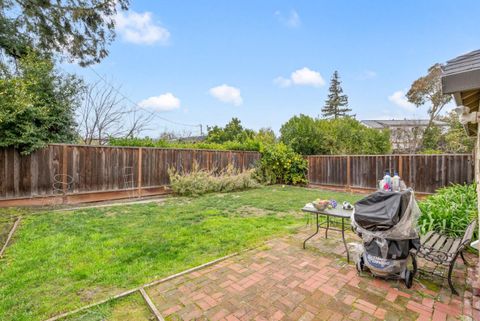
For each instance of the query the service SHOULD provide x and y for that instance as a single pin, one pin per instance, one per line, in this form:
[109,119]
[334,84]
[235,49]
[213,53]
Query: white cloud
[301,77]
[164,102]
[139,28]
[307,77]
[291,21]
[399,99]
[282,82]
[227,94]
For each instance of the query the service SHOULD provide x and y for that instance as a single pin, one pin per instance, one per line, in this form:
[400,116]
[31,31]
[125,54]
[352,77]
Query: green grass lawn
[6,224]
[129,308]
[7,219]
[59,261]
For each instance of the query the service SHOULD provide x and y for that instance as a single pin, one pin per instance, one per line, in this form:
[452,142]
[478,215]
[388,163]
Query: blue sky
[204,62]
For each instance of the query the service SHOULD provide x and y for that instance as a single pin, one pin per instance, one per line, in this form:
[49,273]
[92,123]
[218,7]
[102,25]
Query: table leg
[343,239]
[316,232]
[328,226]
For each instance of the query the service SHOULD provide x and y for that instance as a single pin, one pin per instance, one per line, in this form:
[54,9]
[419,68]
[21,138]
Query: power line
[140,107]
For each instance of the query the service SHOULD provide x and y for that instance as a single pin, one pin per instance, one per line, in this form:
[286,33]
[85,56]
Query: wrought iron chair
[443,250]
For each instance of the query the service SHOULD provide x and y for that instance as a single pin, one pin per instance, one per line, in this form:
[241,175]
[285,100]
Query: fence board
[328,170]
[424,173]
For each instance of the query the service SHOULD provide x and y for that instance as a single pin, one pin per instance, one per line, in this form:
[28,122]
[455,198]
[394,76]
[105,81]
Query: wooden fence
[424,173]
[78,173]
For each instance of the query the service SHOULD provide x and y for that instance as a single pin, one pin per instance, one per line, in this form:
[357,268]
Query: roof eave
[452,83]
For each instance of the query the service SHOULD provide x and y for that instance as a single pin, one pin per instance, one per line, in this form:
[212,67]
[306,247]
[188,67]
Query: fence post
[139,179]
[400,166]
[64,173]
[309,165]
[349,182]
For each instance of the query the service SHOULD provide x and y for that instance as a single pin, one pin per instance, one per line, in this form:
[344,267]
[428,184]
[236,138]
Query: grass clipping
[199,181]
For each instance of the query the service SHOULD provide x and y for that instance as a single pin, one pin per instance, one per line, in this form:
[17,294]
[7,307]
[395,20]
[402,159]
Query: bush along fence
[424,173]
[78,173]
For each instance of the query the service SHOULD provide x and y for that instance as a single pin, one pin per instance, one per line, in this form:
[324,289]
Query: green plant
[137,142]
[344,135]
[247,145]
[199,181]
[456,138]
[431,151]
[280,164]
[77,30]
[232,137]
[232,132]
[449,210]
[37,105]
[303,135]
[336,105]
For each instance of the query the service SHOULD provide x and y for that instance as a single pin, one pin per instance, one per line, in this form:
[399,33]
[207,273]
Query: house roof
[462,73]
[461,77]
[467,62]
[381,123]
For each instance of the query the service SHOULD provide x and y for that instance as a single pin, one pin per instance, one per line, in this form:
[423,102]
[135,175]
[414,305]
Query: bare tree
[407,139]
[105,113]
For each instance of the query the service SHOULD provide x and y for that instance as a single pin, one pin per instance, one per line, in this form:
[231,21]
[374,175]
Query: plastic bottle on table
[381,184]
[387,181]
[396,182]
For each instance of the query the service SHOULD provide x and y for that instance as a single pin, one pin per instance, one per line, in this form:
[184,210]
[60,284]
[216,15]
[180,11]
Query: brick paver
[285,282]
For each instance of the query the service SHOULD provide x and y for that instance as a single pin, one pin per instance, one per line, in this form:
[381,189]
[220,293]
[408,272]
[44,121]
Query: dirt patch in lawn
[250,211]
[88,295]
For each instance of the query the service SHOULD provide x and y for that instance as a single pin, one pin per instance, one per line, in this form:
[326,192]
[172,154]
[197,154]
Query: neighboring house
[461,78]
[405,134]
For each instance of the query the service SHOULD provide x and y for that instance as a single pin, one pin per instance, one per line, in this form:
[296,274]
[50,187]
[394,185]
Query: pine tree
[337,103]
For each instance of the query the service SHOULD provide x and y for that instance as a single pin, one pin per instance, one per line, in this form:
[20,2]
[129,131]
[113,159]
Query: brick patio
[281,281]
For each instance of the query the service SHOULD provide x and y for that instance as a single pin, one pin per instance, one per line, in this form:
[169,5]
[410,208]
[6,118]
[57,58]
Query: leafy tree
[303,135]
[37,105]
[333,136]
[456,138]
[349,136]
[428,90]
[265,136]
[232,132]
[337,103]
[432,138]
[80,28]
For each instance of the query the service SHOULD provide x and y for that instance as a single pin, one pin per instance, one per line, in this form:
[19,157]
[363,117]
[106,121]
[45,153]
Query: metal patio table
[337,212]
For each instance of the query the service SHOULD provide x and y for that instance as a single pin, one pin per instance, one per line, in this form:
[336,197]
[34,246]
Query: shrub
[280,164]
[199,181]
[37,104]
[136,142]
[303,135]
[449,210]
[247,145]
[344,135]
[431,151]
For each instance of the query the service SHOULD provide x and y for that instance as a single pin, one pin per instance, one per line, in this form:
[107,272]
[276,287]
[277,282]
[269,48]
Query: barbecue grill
[387,224]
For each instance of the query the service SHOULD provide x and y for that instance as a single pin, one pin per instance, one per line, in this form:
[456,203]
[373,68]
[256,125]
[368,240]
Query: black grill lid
[381,210]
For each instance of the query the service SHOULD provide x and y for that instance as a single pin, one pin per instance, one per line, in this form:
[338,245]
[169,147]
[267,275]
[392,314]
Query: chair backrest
[467,237]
